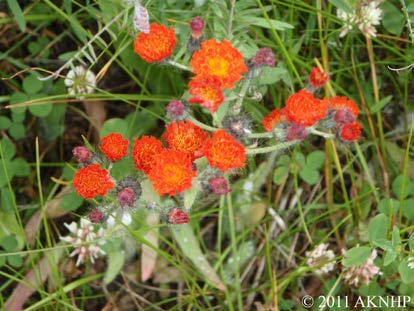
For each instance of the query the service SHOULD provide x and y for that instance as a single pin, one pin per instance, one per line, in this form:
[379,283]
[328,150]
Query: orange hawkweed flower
[350,131]
[172,172]
[224,152]
[341,102]
[157,45]
[91,181]
[114,146]
[207,92]
[220,60]
[185,136]
[144,152]
[273,118]
[317,77]
[304,109]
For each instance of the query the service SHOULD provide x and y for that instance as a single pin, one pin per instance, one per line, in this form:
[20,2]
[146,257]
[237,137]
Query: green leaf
[389,257]
[393,19]
[18,98]
[15,260]
[356,256]
[7,200]
[408,208]
[396,239]
[9,243]
[189,244]
[377,228]
[32,85]
[378,106]
[116,125]
[7,148]
[387,204]
[116,259]
[5,122]
[411,242]
[18,14]
[264,23]
[300,159]
[17,131]
[71,201]
[341,4]
[20,167]
[39,110]
[399,184]
[315,159]
[280,174]
[309,175]
[271,75]
[190,196]
[406,273]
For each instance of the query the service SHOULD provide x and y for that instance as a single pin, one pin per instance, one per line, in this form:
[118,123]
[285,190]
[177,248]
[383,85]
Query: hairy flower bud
[197,26]
[129,190]
[219,186]
[95,216]
[238,126]
[82,154]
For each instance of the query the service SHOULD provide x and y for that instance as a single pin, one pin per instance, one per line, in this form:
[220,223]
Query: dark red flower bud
[95,216]
[264,56]
[344,116]
[126,196]
[296,132]
[82,154]
[219,186]
[197,26]
[177,216]
[175,109]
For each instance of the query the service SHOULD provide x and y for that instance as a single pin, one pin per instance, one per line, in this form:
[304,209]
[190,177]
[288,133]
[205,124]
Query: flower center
[218,66]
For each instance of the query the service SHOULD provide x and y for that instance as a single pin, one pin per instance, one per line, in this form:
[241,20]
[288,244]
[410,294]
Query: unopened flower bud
[264,56]
[219,186]
[95,216]
[82,154]
[177,216]
[176,110]
[129,190]
[343,116]
[238,126]
[296,132]
[197,26]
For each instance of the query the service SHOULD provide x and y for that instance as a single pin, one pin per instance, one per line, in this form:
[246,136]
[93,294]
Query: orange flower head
[341,102]
[144,152]
[114,146]
[91,181]
[274,117]
[156,45]
[207,92]
[172,172]
[317,77]
[350,132]
[220,60]
[185,136]
[304,109]
[224,152]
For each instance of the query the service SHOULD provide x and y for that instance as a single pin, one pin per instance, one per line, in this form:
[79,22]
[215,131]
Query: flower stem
[277,147]
[319,133]
[261,135]
[237,106]
[202,125]
[178,65]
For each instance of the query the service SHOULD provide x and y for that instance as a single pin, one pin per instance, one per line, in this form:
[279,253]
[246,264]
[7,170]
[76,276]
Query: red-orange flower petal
[317,77]
[220,60]
[91,181]
[185,136]
[273,118]
[224,152]
[207,92]
[144,152]
[114,146]
[350,131]
[157,45]
[341,102]
[304,109]
[172,172]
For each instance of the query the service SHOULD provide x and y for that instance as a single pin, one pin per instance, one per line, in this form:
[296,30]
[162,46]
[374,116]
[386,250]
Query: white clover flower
[83,234]
[321,255]
[411,262]
[80,81]
[356,275]
[141,18]
[364,16]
